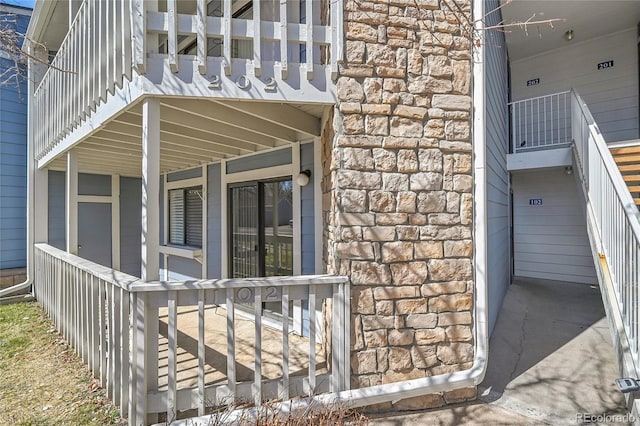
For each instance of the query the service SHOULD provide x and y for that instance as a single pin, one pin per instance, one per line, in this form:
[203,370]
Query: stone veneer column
[397,191]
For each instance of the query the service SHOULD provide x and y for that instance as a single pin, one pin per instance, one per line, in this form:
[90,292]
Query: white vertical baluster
[126,39]
[134,356]
[201,354]
[312,339]
[172,348]
[336,348]
[140,36]
[231,343]
[95,327]
[202,36]
[284,40]
[256,387]
[257,39]
[346,339]
[284,392]
[226,43]
[172,36]
[103,335]
[309,44]
[116,325]
[125,327]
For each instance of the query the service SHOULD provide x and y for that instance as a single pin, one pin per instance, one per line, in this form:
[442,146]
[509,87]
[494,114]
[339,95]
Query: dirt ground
[42,381]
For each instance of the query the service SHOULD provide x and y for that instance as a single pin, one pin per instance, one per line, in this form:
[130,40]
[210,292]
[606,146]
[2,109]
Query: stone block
[409,273]
[421,320]
[425,181]
[463,248]
[370,273]
[455,353]
[399,359]
[451,303]
[392,293]
[411,306]
[397,251]
[428,250]
[402,337]
[438,289]
[430,336]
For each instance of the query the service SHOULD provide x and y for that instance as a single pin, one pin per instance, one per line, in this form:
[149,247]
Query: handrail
[633,215]
[133,284]
[614,229]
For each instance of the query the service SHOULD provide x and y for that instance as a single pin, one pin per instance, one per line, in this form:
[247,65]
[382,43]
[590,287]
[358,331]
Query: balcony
[117,52]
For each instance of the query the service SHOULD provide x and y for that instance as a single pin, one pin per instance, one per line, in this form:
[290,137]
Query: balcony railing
[155,347]
[93,59]
[541,123]
[223,48]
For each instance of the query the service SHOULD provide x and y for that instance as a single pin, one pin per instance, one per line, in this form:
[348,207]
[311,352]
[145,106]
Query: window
[185,216]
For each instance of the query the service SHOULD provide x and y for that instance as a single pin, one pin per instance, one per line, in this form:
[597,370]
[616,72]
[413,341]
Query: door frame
[291,169]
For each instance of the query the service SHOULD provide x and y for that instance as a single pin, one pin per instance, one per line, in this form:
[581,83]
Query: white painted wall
[611,94]
[550,240]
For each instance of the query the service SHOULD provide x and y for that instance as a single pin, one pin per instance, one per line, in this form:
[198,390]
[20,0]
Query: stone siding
[398,184]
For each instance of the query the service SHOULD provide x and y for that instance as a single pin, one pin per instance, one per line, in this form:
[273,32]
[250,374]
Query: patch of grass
[42,381]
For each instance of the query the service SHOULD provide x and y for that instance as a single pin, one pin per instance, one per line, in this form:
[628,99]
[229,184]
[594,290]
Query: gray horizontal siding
[184,174]
[130,225]
[56,198]
[259,161]
[550,240]
[497,141]
[13,164]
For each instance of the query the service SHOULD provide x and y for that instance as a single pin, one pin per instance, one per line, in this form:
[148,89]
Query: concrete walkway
[550,360]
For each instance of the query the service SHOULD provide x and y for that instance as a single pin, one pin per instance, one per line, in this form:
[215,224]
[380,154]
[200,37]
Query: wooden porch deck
[216,349]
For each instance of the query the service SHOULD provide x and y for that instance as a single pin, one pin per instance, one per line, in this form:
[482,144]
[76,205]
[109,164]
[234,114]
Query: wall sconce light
[568,170]
[568,35]
[303,177]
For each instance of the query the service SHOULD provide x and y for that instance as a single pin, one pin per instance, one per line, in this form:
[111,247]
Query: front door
[262,231]
[94,232]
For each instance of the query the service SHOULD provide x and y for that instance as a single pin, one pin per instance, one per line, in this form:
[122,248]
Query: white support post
[115,222]
[71,204]
[297,240]
[150,189]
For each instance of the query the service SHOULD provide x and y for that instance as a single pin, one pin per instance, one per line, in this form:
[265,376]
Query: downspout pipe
[443,382]
[30,196]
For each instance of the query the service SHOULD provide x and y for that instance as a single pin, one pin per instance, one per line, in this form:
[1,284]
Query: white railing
[613,219]
[93,59]
[128,333]
[541,123]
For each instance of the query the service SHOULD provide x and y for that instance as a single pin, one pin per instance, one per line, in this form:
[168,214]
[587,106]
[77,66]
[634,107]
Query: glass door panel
[244,232]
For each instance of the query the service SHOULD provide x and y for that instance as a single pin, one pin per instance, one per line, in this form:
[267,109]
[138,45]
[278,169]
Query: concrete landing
[550,362]
[550,355]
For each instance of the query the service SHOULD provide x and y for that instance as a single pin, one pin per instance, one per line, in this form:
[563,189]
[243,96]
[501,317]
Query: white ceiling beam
[281,114]
[236,118]
[222,135]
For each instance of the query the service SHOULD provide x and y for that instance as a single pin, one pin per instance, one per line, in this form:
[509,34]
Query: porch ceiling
[195,132]
[587,19]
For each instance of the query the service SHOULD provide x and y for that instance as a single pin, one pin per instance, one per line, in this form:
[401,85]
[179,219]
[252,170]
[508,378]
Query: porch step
[628,160]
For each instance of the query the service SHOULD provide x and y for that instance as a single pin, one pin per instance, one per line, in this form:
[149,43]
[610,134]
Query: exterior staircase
[628,161]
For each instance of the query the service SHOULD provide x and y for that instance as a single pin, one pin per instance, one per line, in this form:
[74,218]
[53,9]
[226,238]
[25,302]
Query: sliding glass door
[261,233]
